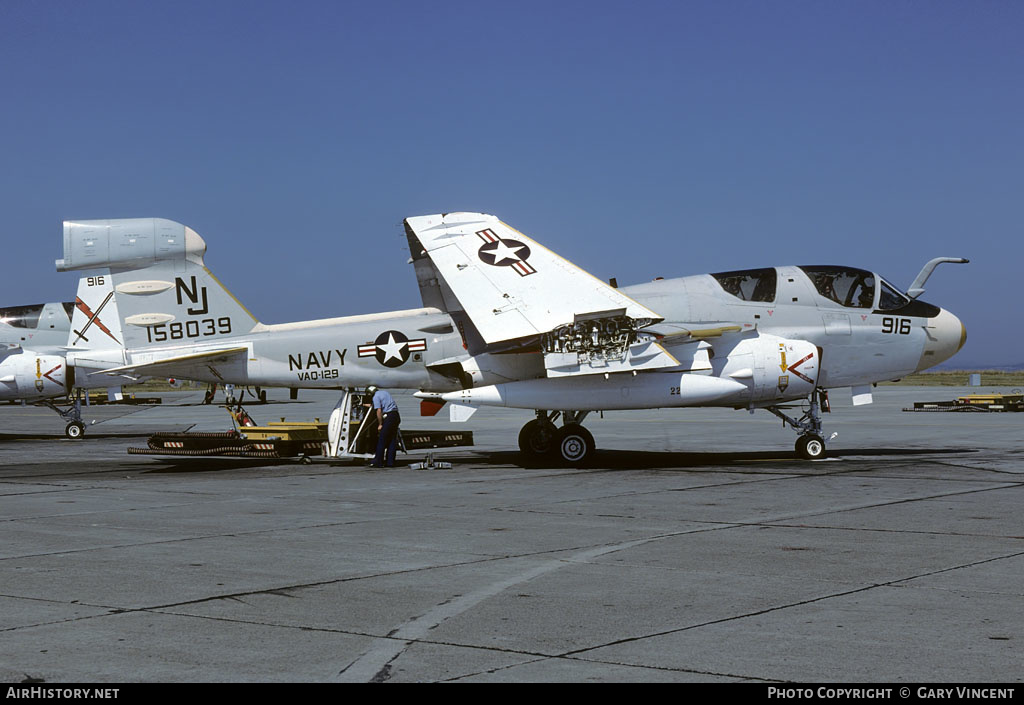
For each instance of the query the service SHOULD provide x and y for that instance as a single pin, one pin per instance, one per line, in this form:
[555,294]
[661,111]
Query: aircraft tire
[536,438]
[573,445]
[74,430]
[810,447]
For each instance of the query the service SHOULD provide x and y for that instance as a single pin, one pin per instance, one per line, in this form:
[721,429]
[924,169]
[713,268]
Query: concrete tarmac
[695,548]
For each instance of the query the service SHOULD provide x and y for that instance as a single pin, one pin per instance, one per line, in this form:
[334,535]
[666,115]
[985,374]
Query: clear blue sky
[638,139]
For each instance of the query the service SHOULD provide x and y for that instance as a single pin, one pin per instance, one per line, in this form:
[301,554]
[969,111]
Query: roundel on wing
[504,252]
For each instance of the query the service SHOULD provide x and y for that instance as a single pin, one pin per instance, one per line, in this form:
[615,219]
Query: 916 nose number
[900,326]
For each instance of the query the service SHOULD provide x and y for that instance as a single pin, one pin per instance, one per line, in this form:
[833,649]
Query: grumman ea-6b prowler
[507,322]
[568,344]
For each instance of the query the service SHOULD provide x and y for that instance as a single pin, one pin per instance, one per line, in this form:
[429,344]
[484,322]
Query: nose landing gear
[811,443]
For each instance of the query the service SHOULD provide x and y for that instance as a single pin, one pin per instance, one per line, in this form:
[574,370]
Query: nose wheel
[810,447]
[811,443]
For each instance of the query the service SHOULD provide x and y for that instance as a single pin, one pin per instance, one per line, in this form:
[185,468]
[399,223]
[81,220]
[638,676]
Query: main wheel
[810,447]
[74,430]
[536,437]
[573,444]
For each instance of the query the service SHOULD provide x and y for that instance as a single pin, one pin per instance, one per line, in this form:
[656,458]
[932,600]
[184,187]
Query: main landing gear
[570,444]
[811,443]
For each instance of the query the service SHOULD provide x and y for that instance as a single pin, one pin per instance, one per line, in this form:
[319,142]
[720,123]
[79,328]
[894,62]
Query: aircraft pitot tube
[26,375]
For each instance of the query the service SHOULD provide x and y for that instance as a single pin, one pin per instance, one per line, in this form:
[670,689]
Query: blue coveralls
[388,436]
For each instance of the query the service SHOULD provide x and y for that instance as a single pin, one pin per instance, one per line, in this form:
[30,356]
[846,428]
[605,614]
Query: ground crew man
[387,426]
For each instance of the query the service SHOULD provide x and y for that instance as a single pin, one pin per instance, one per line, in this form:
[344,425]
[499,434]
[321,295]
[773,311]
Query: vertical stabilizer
[160,291]
[95,323]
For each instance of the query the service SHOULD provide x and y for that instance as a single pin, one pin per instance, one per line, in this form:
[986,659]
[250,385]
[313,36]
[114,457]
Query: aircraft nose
[946,334]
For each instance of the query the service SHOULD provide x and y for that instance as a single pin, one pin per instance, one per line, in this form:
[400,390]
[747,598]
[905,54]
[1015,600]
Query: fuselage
[867,332]
[856,328]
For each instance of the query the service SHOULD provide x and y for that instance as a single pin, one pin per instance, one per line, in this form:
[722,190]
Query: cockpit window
[891,298]
[21,316]
[854,288]
[749,284]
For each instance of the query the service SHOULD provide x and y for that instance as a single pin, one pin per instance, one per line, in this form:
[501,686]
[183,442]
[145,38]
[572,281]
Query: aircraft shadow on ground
[651,460]
[214,464]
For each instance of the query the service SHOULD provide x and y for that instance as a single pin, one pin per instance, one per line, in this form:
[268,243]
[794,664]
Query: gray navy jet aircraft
[38,326]
[507,322]
[751,339]
[33,366]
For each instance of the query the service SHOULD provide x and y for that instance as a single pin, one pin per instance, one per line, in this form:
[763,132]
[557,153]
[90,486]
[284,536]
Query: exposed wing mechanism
[514,289]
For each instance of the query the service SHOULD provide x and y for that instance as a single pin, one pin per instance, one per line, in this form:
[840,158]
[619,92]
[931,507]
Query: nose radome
[945,336]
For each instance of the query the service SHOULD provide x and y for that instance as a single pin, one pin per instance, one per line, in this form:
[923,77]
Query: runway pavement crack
[898,582]
[638,667]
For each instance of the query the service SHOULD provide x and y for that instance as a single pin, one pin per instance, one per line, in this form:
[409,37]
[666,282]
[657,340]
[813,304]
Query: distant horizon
[963,367]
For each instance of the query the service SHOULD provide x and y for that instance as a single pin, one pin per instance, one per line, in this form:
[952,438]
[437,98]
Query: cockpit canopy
[846,286]
[855,288]
[750,284]
[28,316]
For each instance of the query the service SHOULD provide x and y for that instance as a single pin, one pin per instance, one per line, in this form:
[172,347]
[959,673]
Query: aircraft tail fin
[95,324]
[155,284]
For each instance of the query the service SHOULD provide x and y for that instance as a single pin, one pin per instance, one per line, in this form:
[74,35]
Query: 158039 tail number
[188,329]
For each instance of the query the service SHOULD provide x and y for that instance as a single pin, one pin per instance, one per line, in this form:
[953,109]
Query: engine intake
[25,375]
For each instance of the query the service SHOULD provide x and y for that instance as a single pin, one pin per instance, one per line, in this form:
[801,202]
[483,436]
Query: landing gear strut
[76,427]
[811,443]
[571,444]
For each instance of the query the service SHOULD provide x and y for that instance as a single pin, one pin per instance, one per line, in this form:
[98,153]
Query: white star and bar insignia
[392,348]
[504,252]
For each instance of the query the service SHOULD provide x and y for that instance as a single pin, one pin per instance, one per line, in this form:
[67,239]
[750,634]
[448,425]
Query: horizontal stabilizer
[181,365]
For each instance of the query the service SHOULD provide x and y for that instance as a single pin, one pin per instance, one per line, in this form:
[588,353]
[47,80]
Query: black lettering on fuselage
[193,295]
[318,359]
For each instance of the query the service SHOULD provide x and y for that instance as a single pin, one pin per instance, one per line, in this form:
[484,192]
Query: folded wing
[515,290]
